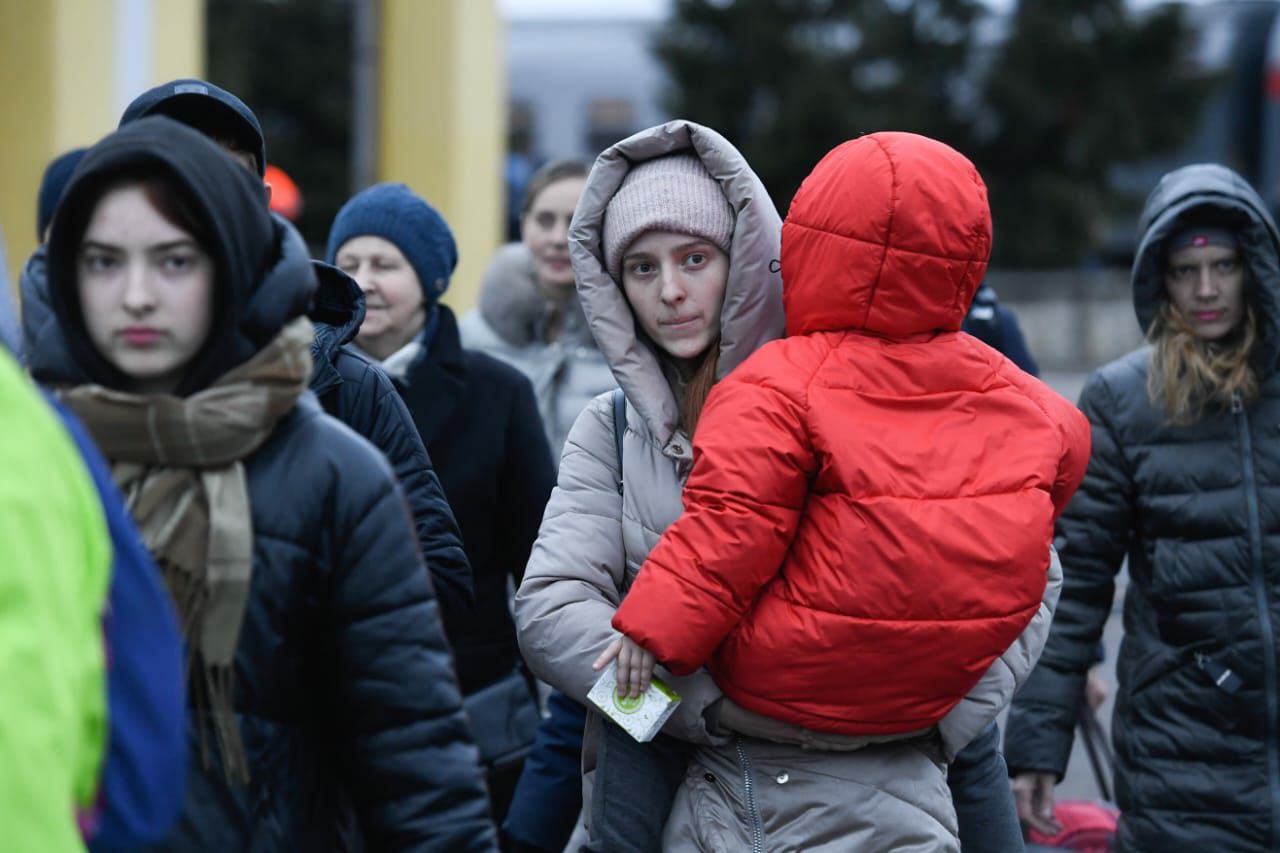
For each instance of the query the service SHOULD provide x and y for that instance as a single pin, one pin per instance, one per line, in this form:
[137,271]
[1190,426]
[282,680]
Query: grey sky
[525,9]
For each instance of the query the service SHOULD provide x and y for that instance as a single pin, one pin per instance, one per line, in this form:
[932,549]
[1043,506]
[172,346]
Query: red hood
[889,234]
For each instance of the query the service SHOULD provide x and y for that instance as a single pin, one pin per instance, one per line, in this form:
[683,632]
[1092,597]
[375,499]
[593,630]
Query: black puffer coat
[359,393]
[346,700]
[1197,511]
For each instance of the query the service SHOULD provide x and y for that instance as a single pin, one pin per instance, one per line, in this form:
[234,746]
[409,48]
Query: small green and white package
[643,716]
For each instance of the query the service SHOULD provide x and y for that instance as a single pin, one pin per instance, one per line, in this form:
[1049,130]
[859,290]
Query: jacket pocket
[1168,659]
[705,816]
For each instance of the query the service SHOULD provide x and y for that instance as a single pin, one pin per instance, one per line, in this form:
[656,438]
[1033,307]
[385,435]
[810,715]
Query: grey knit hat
[671,193]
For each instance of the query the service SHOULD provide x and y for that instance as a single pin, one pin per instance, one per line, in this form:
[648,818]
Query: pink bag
[1086,827]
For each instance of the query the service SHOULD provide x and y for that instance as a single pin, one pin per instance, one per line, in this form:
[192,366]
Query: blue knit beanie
[56,177]
[400,216]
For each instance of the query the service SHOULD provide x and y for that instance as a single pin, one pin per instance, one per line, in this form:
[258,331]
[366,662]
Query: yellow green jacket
[55,558]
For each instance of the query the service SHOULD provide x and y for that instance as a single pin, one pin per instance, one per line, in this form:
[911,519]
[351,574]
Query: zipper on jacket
[1264,612]
[748,785]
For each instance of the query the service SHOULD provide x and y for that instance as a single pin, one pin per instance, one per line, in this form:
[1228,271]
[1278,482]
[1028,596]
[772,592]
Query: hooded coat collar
[752,312]
[263,280]
[1201,194]
[336,314]
[889,235]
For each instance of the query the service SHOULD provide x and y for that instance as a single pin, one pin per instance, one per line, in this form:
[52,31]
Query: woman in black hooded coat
[325,714]
[1184,480]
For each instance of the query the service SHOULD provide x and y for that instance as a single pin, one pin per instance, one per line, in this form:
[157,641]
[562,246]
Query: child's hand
[635,665]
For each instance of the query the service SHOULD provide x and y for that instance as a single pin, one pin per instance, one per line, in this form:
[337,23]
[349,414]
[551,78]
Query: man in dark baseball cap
[210,109]
[350,387]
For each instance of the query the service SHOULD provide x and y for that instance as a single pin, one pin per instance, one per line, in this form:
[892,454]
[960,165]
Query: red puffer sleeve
[1077,445]
[753,462]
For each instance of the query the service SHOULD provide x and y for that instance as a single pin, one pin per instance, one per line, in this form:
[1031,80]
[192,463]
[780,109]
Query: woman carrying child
[867,526]
[670,333]
[1182,483]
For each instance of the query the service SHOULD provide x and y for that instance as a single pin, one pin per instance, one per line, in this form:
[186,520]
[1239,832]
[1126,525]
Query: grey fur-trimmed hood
[752,314]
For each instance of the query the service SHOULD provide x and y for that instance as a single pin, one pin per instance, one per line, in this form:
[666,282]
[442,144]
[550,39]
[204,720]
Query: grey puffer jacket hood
[752,312]
[594,536]
[1209,194]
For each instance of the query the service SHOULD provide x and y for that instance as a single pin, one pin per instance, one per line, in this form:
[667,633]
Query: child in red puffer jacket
[868,522]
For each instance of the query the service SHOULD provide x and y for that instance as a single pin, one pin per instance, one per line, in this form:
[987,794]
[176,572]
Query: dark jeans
[635,785]
[501,782]
[979,782]
[548,796]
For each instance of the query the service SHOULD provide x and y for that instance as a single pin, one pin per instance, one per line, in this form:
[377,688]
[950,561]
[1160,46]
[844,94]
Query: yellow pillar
[442,120]
[67,68]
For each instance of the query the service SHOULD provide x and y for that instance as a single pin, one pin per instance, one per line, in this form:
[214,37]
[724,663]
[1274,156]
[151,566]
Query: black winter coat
[344,691]
[1197,511]
[480,422]
[359,393]
[348,706]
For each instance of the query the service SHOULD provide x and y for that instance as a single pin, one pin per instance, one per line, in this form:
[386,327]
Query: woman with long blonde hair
[1182,481]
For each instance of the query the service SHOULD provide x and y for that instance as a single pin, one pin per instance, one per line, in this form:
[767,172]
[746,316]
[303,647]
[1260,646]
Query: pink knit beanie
[672,193]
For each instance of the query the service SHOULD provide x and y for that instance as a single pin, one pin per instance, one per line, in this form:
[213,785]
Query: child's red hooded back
[868,520]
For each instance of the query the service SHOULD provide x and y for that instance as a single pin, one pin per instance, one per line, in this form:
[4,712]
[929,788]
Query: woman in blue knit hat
[480,423]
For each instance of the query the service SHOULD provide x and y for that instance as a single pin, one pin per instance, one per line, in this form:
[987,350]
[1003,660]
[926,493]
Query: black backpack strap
[619,427]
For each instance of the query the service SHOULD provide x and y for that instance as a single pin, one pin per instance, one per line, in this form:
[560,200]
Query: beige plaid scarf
[179,462]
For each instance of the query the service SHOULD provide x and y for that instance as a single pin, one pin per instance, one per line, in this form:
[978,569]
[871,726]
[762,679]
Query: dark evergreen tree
[1077,87]
[1046,109]
[786,80]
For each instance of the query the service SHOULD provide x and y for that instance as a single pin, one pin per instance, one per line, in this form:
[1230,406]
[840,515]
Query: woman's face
[1206,285]
[675,284]
[146,290]
[395,308]
[545,231]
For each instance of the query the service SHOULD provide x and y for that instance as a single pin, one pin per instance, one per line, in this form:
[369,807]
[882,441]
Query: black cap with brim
[210,109]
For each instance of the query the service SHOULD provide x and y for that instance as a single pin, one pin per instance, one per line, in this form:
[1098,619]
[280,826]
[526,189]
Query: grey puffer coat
[511,324]
[593,541]
[1197,511]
